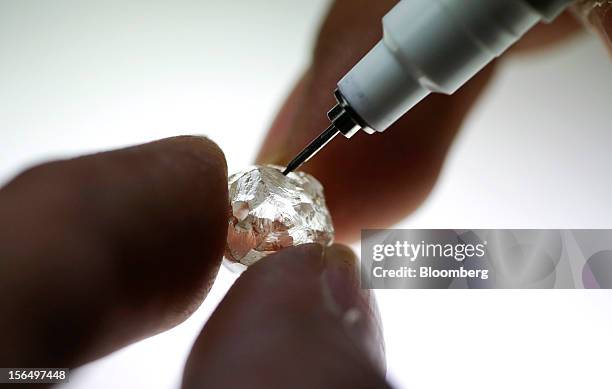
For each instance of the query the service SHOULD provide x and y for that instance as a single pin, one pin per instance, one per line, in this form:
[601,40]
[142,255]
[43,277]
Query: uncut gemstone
[270,211]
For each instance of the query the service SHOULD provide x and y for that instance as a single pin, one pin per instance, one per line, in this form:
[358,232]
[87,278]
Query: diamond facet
[270,211]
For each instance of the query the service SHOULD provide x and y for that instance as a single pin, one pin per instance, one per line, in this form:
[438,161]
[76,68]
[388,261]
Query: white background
[83,76]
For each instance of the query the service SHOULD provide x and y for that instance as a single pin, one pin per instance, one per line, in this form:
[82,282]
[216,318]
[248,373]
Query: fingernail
[340,275]
[312,254]
[357,307]
[302,259]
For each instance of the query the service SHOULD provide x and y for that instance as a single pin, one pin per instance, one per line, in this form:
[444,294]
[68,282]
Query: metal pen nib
[314,147]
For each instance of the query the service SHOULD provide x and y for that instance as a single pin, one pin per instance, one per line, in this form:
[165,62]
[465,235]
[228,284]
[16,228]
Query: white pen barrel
[435,46]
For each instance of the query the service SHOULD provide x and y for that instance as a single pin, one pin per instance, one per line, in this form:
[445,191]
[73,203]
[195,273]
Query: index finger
[99,251]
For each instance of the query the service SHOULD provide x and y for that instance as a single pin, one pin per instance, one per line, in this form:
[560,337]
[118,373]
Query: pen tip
[313,147]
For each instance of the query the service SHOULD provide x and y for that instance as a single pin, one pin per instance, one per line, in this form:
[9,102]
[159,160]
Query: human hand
[100,251]
[383,176]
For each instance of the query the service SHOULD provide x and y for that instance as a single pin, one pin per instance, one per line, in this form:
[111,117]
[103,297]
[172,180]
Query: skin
[409,154]
[100,251]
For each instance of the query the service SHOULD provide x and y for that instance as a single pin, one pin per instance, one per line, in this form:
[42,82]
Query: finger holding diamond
[103,250]
[296,319]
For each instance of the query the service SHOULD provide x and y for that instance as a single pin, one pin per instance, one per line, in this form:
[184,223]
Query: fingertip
[141,229]
[357,307]
[302,261]
[341,277]
[340,253]
[279,305]
[203,148]
[191,153]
